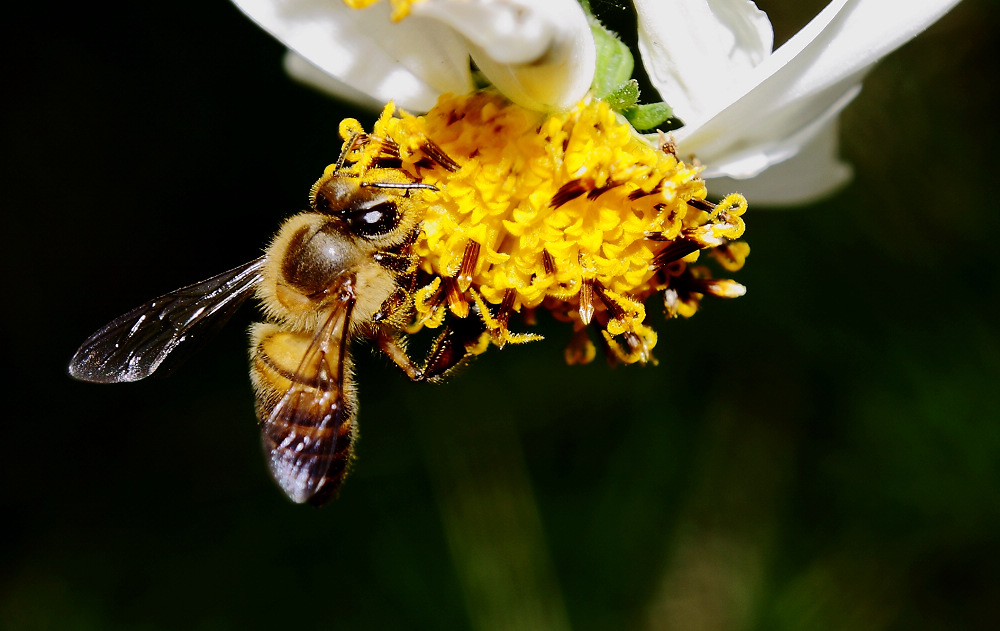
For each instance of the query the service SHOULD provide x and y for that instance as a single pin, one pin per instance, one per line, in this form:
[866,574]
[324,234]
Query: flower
[767,120]
[570,212]
[541,195]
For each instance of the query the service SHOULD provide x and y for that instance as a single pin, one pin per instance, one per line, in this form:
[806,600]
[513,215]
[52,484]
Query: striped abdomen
[306,408]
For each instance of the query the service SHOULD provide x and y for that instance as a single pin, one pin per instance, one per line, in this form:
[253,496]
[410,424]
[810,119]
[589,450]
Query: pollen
[570,213]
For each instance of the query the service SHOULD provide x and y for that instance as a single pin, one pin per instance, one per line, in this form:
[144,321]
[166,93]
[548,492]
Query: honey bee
[342,269]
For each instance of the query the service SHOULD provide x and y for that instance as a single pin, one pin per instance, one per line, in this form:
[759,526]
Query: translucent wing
[307,436]
[136,344]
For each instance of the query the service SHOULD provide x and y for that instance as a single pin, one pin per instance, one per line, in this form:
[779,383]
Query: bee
[341,270]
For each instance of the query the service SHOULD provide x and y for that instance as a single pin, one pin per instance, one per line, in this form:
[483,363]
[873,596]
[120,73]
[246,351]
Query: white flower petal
[693,49]
[540,55]
[772,115]
[777,143]
[507,31]
[815,173]
[301,69]
[411,62]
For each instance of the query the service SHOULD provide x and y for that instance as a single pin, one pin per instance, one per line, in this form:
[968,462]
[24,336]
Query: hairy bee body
[321,279]
[329,274]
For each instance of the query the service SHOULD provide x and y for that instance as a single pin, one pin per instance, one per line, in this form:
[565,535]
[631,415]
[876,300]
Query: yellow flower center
[570,212]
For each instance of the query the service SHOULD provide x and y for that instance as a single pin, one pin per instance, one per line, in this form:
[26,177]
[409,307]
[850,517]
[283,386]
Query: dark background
[823,453]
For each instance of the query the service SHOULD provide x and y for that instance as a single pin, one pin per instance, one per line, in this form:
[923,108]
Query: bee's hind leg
[460,341]
[394,348]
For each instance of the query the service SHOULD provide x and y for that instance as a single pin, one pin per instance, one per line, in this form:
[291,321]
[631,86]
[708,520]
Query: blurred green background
[823,453]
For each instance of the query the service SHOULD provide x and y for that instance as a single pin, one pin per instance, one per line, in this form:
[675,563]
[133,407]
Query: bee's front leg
[394,310]
[394,348]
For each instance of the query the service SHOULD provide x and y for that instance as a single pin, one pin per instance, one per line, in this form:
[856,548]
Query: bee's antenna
[349,146]
[401,185]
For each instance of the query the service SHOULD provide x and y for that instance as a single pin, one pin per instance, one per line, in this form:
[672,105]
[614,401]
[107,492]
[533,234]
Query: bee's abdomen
[307,420]
[308,457]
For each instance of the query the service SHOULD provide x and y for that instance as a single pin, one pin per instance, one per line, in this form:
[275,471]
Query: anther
[701,204]
[587,300]
[675,251]
[438,155]
[548,264]
[456,298]
[468,267]
[567,193]
[503,318]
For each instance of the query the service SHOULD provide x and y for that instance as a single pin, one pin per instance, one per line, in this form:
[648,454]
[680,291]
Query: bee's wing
[136,344]
[307,435]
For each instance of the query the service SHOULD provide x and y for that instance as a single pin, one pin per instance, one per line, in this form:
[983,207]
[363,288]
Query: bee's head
[380,207]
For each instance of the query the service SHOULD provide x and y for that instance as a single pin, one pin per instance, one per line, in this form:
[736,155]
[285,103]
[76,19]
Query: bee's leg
[395,304]
[461,340]
[399,262]
[395,349]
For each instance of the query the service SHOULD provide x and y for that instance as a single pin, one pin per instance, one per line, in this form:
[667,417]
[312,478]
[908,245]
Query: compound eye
[373,221]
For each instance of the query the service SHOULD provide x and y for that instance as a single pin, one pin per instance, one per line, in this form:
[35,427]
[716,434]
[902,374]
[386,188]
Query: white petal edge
[804,79]
[506,30]
[540,55]
[411,62]
[693,49]
[815,173]
[301,69]
[751,162]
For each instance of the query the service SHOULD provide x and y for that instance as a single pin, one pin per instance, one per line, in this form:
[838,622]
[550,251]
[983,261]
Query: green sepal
[614,61]
[613,82]
[624,96]
[649,116]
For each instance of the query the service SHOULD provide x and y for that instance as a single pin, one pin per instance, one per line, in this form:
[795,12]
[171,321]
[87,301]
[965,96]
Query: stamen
[587,300]
[671,299]
[456,298]
[640,193]
[438,155]
[701,204]
[720,288]
[567,193]
[614,309]
[389,147]
[667,143]
[468,267]
[501,334]
[675,251]
[731,256]
[597,192]
[548,265]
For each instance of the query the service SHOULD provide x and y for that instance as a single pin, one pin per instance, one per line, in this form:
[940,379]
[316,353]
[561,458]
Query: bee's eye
[373,221]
